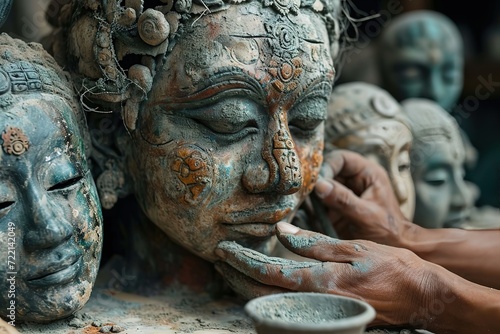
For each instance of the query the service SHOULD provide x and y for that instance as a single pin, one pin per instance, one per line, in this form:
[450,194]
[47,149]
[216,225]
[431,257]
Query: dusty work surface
[174,311]
[169,313]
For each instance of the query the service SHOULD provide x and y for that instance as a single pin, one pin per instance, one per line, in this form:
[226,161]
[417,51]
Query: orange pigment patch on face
[194,169]
[280,214]
[310,168]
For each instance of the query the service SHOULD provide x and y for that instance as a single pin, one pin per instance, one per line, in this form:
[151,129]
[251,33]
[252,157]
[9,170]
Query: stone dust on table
[170,312]
[174,311]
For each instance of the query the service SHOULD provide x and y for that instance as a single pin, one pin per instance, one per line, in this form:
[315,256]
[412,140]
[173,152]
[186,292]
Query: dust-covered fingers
[244,285]
[318,246]
[264,269]
[278,273]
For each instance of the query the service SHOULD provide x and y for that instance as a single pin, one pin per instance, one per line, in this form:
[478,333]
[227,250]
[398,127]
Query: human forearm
[462,307]
[361,205]
[473,255]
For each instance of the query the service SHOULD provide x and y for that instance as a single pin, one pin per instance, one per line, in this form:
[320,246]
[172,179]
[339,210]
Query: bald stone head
[421,56]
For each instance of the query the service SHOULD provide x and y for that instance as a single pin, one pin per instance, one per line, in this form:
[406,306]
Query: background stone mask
[50,218]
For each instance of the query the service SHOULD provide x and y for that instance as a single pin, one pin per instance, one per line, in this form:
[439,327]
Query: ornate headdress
[28,68]
[356,105]
[114,45]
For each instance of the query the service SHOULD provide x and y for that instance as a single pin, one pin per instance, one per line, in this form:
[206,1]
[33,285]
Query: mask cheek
[192,172]
[171,175]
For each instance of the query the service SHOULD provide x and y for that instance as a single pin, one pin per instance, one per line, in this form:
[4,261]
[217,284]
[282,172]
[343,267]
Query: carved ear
[141,76]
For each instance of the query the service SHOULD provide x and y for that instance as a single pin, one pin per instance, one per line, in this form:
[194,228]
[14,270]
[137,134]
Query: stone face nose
[49,227]
[281,170]
[288,162]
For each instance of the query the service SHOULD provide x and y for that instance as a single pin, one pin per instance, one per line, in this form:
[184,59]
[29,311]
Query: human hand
[394,281]
[5,328]
[360,201]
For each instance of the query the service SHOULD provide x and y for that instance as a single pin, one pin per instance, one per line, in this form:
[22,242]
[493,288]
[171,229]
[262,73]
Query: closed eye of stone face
[228,116]
[307,116]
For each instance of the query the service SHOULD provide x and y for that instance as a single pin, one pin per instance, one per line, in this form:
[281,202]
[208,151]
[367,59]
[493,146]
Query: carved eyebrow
[227,82]
[310,40]
[249,36]
[447,164]
[320,87]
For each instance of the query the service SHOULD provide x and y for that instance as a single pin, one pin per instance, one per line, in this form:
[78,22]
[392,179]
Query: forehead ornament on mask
[285,41]
[285,75]
[15,141]
[24,77]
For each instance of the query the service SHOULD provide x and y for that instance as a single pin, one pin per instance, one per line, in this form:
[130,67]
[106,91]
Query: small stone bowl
[300,313]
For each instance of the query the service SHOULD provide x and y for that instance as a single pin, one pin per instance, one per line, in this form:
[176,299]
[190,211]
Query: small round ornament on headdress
[153,27]
[384,106]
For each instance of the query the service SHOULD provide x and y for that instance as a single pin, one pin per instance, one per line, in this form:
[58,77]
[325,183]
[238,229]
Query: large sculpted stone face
[230,140]
[421,56]
[50,219]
